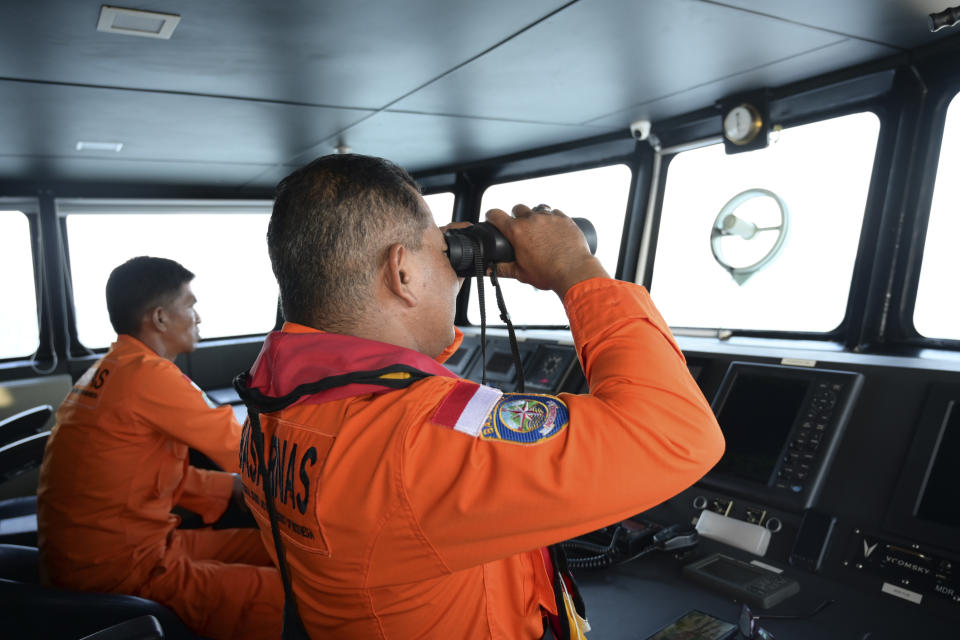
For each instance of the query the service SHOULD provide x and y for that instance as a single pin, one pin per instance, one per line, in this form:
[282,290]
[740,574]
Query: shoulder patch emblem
[526,418]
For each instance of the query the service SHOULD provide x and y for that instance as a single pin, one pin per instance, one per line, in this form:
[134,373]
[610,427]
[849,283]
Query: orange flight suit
[421,512]
[114,467]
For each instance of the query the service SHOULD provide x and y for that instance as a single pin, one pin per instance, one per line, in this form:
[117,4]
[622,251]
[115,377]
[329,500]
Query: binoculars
[484,241]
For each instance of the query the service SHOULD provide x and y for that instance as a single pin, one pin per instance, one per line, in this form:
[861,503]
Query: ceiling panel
[48,120]
[337,52]
[772,75]
[253,85]
[601,55]
[902,23]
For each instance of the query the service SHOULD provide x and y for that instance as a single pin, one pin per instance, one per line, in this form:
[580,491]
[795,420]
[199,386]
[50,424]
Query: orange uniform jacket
[419,513]
[116,463]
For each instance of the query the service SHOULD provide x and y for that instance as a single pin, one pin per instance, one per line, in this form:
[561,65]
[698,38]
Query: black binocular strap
[256,403]
[502,305]
[293,628]
[510,331]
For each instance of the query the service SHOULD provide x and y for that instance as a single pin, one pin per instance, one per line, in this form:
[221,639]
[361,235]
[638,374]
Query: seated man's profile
[116,464]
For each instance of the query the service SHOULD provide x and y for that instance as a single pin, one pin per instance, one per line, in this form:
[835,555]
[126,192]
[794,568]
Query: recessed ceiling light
[132,22]
[84,145]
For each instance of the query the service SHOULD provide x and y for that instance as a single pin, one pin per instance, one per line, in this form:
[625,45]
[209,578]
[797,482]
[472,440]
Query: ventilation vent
[132,22]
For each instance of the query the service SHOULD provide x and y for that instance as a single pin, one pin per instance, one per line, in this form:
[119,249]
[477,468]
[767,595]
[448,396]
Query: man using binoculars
[394,512]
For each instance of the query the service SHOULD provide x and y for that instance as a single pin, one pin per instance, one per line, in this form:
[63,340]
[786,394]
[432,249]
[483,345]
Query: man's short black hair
[333,223]
[139,284]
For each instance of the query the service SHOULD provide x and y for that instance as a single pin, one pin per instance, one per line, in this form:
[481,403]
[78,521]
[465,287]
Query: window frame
[853,313]
[30,208]
[456,197]
[594,153]
[620,251]
[930,141]
[134,206]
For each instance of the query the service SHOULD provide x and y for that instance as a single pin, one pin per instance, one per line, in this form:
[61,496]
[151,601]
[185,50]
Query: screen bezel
[853,381]
[902,516]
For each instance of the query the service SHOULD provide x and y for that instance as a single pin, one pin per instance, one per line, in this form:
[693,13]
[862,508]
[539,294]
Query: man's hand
[551,252]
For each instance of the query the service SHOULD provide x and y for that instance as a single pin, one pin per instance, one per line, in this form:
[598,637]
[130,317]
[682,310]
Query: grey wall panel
[419,142]
[772,75]
[43,119]
[17,172]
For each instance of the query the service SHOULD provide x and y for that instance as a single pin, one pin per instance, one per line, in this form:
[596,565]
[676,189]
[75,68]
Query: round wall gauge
[742,124]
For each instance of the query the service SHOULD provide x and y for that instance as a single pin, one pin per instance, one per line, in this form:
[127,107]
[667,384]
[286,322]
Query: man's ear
[398,274]
[156,318]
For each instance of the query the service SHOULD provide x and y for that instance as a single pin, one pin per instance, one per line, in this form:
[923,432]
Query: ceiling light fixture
[84,145]
[132,22]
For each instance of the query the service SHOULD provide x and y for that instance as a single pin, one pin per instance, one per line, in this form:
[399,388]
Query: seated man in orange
[409,503]
[116,464]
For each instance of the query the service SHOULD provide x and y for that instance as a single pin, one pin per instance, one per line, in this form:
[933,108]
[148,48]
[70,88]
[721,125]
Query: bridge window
[441,204]
[937,310]
[224,245]
[599,195]
[19,332]
[819,174]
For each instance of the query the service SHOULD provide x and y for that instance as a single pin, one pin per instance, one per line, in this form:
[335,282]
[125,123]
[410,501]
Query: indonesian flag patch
[466,407]
[526,418]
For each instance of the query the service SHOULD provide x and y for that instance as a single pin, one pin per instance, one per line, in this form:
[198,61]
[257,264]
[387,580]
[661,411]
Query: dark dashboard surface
[888,568]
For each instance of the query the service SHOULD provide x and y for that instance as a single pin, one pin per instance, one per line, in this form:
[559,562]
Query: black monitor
[939,500]
[926,503]
[781,425]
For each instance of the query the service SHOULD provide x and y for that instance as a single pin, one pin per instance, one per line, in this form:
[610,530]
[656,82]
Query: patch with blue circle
[525,418]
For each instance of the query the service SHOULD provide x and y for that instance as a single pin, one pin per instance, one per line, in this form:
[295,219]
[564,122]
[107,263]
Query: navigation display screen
[941,495]
[756,418]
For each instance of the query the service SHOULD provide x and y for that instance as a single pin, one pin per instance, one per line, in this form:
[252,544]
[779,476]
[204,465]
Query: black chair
[18,516]
[31,610]
[18,521]
[22,456]
[26,423]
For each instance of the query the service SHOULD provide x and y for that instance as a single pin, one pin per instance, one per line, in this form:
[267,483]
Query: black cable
[602,558]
